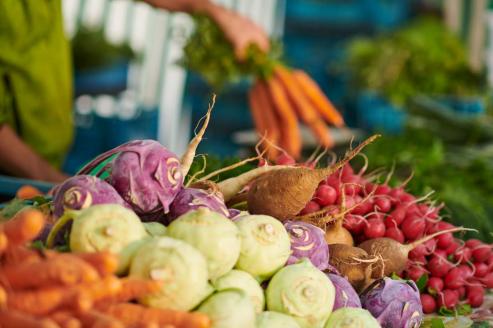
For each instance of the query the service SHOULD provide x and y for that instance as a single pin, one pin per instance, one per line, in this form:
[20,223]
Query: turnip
[336,233]
[429,304]
[393,255]
[353,263]
[285,192]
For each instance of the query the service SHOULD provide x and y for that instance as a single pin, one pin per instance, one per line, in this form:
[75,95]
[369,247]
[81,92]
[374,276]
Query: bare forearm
[18,159]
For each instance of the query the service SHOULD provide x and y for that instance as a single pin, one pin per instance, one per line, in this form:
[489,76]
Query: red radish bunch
[457,271]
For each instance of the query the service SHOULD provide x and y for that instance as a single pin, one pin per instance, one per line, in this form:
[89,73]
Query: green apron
[35,76]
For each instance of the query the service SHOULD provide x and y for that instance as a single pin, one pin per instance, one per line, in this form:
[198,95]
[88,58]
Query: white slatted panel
[158,37]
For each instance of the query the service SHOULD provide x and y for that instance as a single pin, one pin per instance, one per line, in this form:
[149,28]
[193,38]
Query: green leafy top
[210,54]
[423,57]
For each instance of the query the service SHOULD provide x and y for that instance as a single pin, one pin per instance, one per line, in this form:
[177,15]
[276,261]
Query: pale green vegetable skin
[181,268]
[270,319]
[351,318]
[155,229]
[303,292]
[214,235]
[245,282]
[265,245]
[108,227]
[229,309]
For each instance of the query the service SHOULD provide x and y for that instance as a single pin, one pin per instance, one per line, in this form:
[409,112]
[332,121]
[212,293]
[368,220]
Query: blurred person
[36,127]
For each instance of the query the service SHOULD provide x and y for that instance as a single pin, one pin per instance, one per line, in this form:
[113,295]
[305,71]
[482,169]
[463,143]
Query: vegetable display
[275,264]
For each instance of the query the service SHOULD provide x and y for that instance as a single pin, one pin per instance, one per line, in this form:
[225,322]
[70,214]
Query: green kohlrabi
[181,268]
[351,318]
[215,236]
[271,319]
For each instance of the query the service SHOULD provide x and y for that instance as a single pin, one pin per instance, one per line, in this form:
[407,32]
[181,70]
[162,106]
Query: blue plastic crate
[375,113]
[111,79]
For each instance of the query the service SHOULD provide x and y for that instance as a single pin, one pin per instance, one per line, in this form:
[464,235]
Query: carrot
[65,319]
[3,298]
[20,254]
[132,289]
[301,103]
[63,269]
[290,134]
[264,117]
[16,319]
[131,314]
[47,300]
[23,227]
[107,287]
[96,319]
[322,133]
[104,262]
[318,98]
[4,242]
[28,192]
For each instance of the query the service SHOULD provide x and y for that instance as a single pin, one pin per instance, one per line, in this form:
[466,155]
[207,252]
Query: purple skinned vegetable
[82,191]
[394,303]
[189,199]
[146,174]
[346,296]
[307,241]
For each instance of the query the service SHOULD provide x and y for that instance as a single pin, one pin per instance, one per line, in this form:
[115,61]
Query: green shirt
[35,76]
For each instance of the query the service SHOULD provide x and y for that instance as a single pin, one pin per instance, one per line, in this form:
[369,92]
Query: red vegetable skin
[396,234]
[463,255]
[448,298]
[435,285]
[475,296]
[428,302]
[439,266]
[454,279]
[310,207]
[481,252]
[488,280]
[374,229]
[415,272]
[383,204]
[354,224]
[325,195]
[462,292]
[471,243]
[413,227]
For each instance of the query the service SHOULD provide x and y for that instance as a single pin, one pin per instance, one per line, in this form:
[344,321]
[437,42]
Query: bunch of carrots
[280,100]
[48,289]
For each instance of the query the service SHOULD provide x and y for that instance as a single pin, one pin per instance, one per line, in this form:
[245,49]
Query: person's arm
[18,159]
[239,30]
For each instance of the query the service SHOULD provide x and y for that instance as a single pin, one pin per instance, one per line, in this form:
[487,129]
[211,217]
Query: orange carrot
[15,319]
[28,192]
[4,242]
[132,289]
[318,98]
[264,117]
[105,288]
[96,319]
[322,133]
[46,300]
[3,298]
[290,134]
[302,104]
[20,254]
[63,269]
[104,262]
[23,227]
[65,319]
[131,314]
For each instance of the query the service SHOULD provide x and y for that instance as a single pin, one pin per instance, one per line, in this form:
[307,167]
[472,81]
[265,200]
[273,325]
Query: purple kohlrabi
[394,303]
[82,191]
[346,296]
[146,174]
[307,241]
[189,199]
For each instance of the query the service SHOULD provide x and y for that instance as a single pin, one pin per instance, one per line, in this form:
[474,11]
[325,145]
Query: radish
[489,262]
[480,269]
[488,280]
[481,252]
[444,241]
[471,243]
[354,223]
[375,228]
[435,285]
[383,204]
[393,255]
[325,195]
[398,215]
[363,207]
[475,296]
[285,159]
[440,253]
[439,266]
[352,185]
[466,270]
[463,255]
[462,292]
[406,197]
[311,207]
[413,228]
[454,279]
[396,234]
[415,272]
[452,248]
[428,302]
[448,299]
[420,259]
